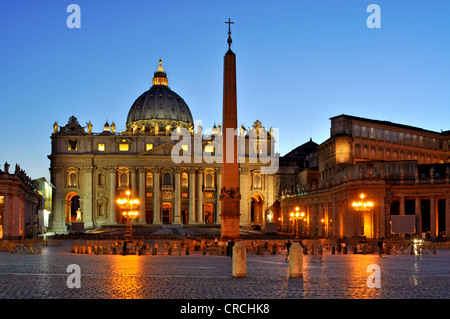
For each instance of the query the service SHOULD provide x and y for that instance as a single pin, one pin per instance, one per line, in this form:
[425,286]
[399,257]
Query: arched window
[184,180]
[149,180]
[123,180]
[167,179]
[357,150]
[209,180]
[257,181]
[72,178]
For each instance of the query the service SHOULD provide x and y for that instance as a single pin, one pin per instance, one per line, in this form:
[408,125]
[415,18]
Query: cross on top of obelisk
[229,32]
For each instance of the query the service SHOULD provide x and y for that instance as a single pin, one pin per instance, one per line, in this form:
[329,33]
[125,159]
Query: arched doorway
[256,210]
[72,204]
[167,213]
[209,213]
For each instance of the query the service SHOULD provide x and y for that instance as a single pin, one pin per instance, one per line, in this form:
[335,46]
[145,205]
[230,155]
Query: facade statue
[156,128]
[143,128]
[199,129]
[168,127]
[55,127]
[79,218]
[113,127]
[6,167]
[89,125]
[134,127]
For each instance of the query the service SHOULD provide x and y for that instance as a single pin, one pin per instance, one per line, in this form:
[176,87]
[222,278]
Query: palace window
[101,147]
[149,146]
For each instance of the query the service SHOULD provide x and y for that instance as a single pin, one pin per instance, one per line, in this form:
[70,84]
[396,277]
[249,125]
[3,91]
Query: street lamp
[129,207]
[362,206]
[296,217]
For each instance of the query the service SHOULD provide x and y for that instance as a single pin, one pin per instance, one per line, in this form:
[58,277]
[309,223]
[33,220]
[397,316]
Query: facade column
[134,185]
[177,204]
[218,201]
[433,211]
[142,176]
[86,196]
[112,217]
[402,205]
[381,223]
[417,212]
[191,196]
[58,216]
[199,200]
[156,203]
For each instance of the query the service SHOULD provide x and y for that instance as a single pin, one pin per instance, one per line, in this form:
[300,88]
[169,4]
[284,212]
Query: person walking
[288,246]
[380,246]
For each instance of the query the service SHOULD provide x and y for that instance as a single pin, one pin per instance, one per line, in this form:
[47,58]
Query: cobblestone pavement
[27,276]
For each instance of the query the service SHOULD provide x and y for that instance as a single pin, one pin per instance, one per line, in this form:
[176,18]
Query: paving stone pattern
[27,276]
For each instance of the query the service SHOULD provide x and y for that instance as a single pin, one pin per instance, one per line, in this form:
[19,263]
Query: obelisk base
[230,217]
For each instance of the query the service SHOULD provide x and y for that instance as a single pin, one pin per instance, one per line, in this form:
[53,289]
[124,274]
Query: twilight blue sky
[298,64]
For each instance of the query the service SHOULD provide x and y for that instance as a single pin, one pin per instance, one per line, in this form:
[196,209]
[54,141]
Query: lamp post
[362,206]
[296,217]
[129,207]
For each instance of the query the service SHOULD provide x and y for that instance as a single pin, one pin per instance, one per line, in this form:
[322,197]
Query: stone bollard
[75,249]
[333,250]
[239,260]
[187,250]
[344,250]
[154,250]
[320,249]
[204,251]
[89,250]
[83,249]
[296,261]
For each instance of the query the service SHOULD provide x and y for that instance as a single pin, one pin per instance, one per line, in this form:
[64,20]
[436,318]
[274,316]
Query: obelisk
[230,195]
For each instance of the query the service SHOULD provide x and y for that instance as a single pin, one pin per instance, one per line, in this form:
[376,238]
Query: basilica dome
[159,105]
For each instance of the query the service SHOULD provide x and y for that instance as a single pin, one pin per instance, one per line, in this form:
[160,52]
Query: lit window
[101,147]
[184,195]
[184,147]
[149,146]
[124,147]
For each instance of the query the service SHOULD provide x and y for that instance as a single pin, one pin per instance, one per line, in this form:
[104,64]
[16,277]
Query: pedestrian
[338,246]
[380,246]
[288,246]
[230,245]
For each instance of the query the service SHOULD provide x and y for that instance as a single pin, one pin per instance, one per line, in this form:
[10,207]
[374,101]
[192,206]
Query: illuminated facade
[89,170]
[18,204]
[403,170]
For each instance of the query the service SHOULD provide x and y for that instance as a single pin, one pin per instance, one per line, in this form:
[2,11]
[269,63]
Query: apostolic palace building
[402,170]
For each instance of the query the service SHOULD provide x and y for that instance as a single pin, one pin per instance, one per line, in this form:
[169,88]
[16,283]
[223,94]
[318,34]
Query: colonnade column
[177,205]
[156,203]
[218,188]
[191,196]
[433,217]
[142,176]
[112,217]
[418,216]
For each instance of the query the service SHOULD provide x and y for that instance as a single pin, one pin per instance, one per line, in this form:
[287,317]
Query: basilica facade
[172,167]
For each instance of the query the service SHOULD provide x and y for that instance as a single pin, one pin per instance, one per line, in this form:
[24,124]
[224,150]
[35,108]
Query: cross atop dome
[160,77]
